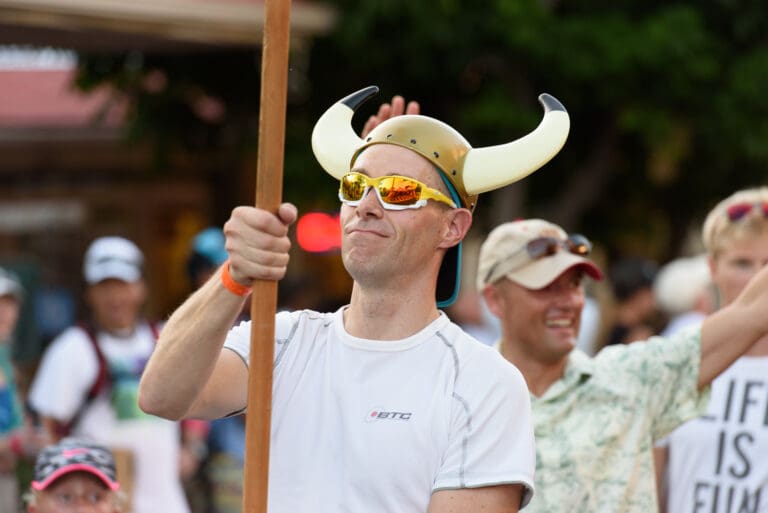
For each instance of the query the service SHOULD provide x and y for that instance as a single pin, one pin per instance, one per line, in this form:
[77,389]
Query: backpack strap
[103,379]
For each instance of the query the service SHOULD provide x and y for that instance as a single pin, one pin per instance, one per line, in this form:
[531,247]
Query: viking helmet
[470,171]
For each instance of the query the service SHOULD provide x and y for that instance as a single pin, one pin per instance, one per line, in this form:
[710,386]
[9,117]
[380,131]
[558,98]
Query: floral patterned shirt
[595,427]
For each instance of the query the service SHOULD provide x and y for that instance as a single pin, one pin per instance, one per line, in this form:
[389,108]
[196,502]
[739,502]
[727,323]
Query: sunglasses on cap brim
[537,248]
[395,192]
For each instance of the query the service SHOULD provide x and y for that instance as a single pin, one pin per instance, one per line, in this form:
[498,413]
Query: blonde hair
[719,230]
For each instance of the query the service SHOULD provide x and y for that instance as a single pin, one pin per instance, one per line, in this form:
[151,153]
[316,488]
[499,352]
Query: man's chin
[566,343]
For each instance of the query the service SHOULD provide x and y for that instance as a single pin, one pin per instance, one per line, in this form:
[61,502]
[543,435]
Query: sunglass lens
[352,186]
[736,212]
[543,246]
[579,245]
[399,191]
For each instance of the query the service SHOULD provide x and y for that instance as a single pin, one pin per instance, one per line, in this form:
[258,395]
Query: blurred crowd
[86,385]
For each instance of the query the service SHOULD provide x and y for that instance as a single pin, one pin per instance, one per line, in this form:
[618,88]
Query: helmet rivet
[413,141]
[369,139]
[453,172]
[389,135]
[436,154]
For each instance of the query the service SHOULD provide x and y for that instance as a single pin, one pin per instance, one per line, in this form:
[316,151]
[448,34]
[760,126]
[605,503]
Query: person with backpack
[87,382]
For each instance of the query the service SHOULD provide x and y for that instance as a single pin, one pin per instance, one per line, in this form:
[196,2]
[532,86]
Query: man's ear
[492,300]
[460,221]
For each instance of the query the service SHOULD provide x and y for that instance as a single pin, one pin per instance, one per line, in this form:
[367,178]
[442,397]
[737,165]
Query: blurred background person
[18,438]
[634,307]
[87,382]
[684,292]
[206,254]
[718,462]
[75,476]
[11,419]
[469,312]
[222,473]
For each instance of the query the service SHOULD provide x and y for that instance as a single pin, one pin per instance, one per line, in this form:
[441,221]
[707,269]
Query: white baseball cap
[113,257]
[10,285]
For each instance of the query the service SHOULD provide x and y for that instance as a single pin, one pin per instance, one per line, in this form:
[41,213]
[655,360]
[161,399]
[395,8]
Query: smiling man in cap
[596,419]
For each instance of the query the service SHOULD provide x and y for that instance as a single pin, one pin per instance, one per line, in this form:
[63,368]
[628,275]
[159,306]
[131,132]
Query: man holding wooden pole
[384,405]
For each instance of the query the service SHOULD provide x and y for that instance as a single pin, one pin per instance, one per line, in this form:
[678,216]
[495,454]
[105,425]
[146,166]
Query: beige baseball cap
[504,255]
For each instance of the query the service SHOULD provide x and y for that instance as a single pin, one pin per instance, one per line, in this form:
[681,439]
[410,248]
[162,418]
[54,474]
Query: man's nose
[370,204]
[567,294]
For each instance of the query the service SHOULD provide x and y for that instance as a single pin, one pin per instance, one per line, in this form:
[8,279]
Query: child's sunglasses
[394,192]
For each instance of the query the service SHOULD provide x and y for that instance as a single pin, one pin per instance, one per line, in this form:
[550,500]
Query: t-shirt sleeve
[491,435]
[239,337]
[239,340]
[67,372]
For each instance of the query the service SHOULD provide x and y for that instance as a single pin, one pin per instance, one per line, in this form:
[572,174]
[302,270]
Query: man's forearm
[188,349]
[730,332]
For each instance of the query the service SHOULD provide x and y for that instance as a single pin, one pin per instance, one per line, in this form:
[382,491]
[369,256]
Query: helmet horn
[490,168]
[334,142]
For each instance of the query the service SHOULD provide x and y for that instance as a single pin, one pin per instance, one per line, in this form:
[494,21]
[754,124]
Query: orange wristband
[230,284]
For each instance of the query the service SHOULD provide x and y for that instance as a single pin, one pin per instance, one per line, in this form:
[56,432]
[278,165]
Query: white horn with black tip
[334,142]
[492,167]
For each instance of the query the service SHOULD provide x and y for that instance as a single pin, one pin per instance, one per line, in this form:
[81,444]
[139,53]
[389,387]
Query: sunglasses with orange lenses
[395,192]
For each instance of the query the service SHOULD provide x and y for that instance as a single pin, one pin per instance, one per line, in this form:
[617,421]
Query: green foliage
[667,109]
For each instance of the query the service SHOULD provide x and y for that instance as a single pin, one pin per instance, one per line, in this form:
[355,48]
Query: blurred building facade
[67,173]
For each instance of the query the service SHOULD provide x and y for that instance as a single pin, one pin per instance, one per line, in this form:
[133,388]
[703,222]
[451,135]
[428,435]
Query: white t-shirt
[67,372]
[377,426]
[718,463]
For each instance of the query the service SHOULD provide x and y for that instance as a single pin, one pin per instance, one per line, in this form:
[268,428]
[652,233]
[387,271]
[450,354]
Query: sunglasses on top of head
[395,192]
[739,210]
[539,247]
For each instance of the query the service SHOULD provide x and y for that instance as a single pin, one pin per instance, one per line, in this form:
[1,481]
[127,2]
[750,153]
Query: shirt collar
[579,368]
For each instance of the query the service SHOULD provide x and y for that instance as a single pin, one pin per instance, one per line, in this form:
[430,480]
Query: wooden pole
[269,191]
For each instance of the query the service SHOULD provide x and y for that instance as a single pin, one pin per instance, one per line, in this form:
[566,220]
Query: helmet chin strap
[458,248]
[451,189]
